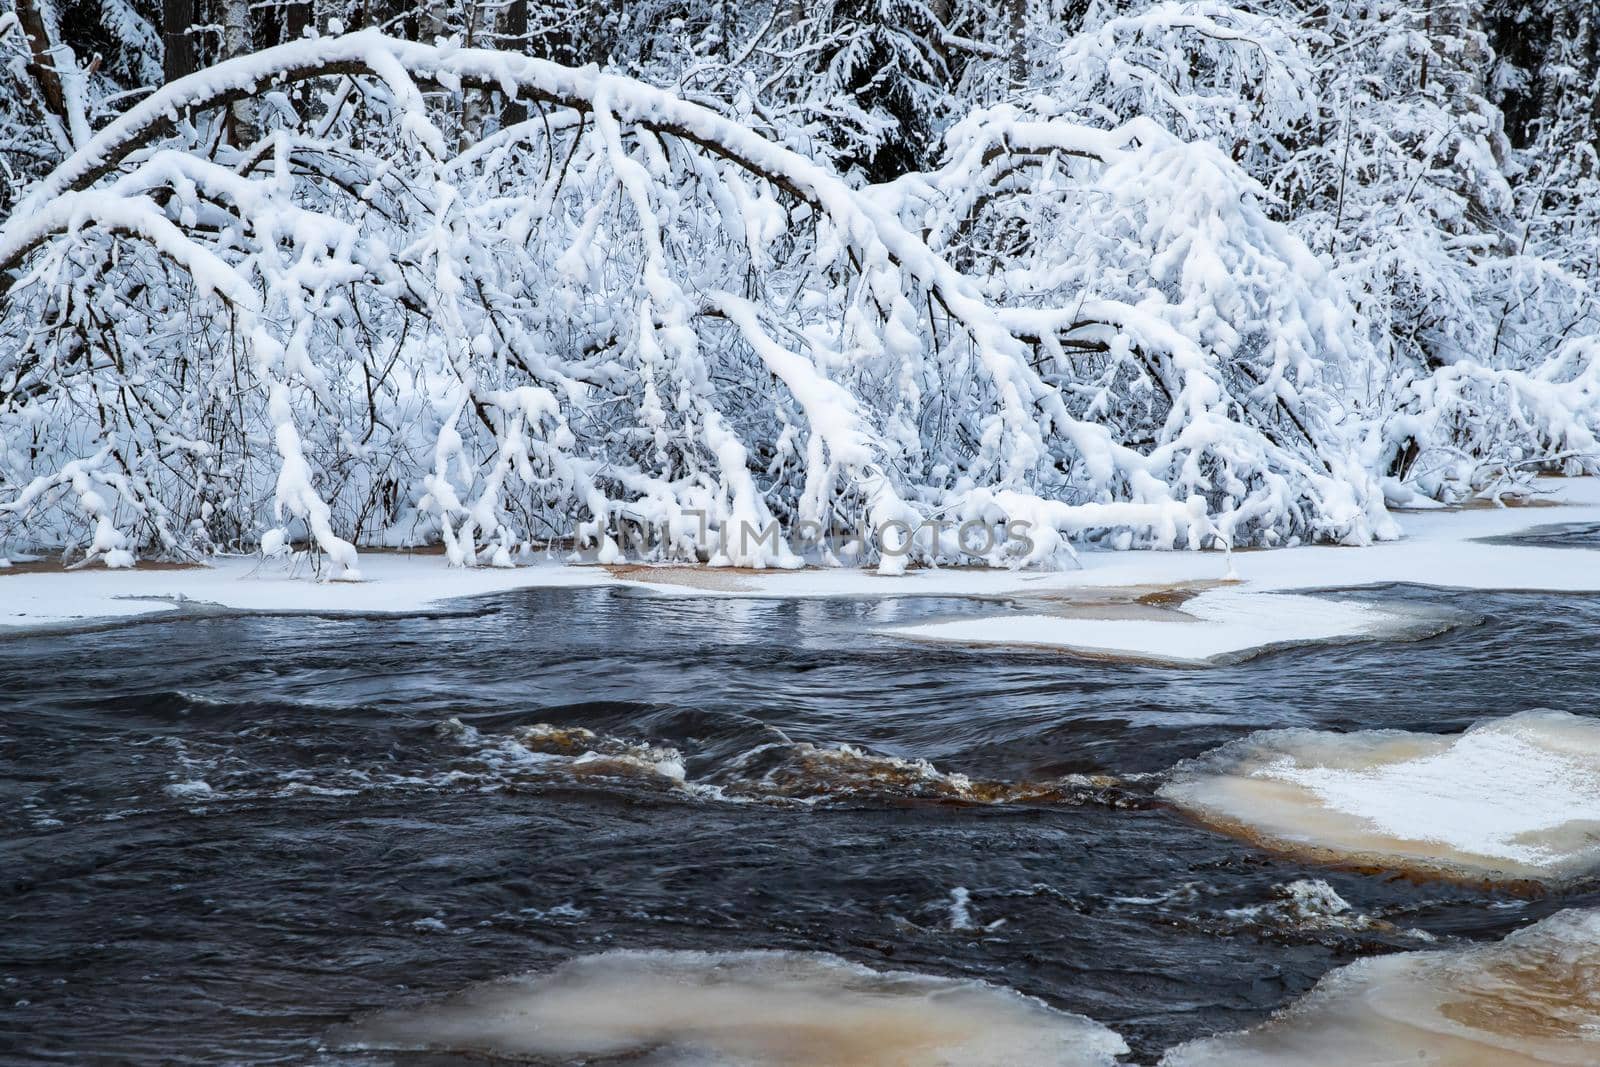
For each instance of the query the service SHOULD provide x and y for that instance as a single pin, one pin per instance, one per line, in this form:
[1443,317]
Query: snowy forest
[502,274]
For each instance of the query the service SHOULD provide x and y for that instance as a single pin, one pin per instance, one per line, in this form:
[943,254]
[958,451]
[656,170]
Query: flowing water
[225,837]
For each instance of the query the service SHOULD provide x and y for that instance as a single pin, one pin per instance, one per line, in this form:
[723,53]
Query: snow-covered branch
[347,322]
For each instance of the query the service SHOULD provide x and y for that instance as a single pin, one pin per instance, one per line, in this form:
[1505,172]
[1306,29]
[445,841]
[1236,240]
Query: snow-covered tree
[624,306]
[497,273]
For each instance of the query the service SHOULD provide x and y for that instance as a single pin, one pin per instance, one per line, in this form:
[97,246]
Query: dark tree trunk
[514,38]
[178,52]
[1017,27]
[42,65]
[288,20]
[296,19]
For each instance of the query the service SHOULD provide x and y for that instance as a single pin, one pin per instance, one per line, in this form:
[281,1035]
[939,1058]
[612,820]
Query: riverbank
[1187,607]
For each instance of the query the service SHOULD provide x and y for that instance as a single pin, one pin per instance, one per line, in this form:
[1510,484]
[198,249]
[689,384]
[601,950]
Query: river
[227,835]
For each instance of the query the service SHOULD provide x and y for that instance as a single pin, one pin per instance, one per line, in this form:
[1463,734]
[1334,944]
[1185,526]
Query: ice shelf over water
[1215,626]
[783,1009]
[1225,615]
[1531,999]
[1516,798]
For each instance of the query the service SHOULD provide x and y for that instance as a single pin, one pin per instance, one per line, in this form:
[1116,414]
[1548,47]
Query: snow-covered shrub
[1371,130]
[626,306]
[1468,430]
[1221,277]
[1167,306]
[1205,71]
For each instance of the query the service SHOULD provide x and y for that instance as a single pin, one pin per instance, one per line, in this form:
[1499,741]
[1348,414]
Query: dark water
[357,850]
[1554,535]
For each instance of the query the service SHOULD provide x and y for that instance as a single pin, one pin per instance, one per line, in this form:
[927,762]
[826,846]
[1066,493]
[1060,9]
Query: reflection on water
[1553,535]
[225,837]
[748,1008]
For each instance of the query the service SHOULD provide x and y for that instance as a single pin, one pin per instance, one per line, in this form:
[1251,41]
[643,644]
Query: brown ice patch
[780,772]
[1530,1000]
[744,1009]
[1114,657]
[1147,602]
[1479,503]
[587,754]
[714,579]
[1513,800]
[806,772]
[1526,500]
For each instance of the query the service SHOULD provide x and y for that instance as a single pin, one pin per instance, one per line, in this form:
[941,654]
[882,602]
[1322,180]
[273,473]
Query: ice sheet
[1531,999]
[1442,548]
[783,1009]
[1515,798]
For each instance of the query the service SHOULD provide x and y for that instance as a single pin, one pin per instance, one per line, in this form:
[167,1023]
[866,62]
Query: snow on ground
[1085,610]
[1515,798]
[1233,619]
[394,583]
[1531,999]
[771,1008]
[1080,610]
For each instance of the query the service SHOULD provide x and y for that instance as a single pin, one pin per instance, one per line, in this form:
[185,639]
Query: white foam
[782,1009]
[1513,798]
[1531,999]
[786,772]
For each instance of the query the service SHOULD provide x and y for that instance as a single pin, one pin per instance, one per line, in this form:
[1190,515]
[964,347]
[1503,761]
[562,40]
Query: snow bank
[768,1008]
[1466,549]
[1228,619]
[1533,998]
[1516,798]
[393,584]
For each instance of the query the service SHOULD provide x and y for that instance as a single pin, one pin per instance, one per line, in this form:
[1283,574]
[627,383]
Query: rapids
[234,837]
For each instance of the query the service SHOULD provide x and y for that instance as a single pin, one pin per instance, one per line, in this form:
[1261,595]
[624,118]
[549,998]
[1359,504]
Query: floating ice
[1216,626]
[667,1009]
[1516,798]
[1533,998]
[1308,904]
